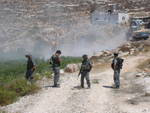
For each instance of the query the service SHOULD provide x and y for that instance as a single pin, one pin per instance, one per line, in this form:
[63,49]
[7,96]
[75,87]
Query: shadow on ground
[109,87]
[78,88]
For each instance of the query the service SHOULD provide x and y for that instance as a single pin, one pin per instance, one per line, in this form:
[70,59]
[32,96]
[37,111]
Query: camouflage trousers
[117,78]
[56,71]
[29,75]
[85,75]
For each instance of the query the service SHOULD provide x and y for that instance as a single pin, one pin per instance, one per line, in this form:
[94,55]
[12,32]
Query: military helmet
[116,54]
[58,51]
[28,56]
[85,56]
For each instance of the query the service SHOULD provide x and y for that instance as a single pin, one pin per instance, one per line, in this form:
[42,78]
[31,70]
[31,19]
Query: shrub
[6,96]
[13,83]
[22,87]
[14,89]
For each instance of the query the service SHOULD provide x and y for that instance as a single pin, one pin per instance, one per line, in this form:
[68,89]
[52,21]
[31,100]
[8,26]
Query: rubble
[130,48]
[102,54]
[123,53]
[141,74]
[133,47]
[125,47]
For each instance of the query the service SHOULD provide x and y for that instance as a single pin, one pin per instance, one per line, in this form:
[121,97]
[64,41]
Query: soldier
[117,66]
[56,62]
[30,68]
[85,70]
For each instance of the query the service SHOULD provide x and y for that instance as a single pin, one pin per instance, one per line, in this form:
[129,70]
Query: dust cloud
[84,37]
[89,39]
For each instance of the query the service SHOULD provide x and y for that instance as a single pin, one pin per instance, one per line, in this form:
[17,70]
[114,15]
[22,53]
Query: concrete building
[109,18]
[123,18]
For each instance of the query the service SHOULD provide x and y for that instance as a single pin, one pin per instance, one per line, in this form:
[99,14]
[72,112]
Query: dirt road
[101,98]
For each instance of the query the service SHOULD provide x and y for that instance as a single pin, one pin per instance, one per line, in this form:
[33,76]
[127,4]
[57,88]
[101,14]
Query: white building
[107,18]
[123,18]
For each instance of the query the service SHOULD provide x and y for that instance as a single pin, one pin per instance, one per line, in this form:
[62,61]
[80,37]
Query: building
[109,18]
[123,18]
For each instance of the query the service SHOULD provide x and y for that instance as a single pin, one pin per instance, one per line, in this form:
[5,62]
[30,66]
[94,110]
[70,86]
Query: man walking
[85,71]
[56,62]
[30,68]
[117,66]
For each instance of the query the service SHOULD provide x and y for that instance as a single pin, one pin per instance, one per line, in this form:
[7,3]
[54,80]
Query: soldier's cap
[58,51]
[116,54]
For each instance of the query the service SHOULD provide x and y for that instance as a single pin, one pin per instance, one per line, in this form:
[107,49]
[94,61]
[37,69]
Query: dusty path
[70,99]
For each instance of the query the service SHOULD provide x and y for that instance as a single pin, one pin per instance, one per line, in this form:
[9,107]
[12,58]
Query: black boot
[117,87]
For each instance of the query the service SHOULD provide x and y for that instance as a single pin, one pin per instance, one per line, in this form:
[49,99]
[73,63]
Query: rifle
[80,71]
[79,74]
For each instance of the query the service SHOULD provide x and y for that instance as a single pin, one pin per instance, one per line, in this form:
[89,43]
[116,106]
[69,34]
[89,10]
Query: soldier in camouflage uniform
[85,71]
[30,68]
[56,62]
[117,66]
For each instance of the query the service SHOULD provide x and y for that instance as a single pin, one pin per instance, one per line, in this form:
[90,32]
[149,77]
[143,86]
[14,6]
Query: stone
[138,75]
[61,71]
[142,74]
[132,51]
[71,68]
[121,54]
[125,48]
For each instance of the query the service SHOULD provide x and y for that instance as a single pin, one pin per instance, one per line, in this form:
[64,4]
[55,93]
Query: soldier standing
[56,62]
[117,66]
[85,71]
[30,67]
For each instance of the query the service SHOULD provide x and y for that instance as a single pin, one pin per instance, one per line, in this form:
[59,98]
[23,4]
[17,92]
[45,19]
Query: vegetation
[2,112]
[13,83]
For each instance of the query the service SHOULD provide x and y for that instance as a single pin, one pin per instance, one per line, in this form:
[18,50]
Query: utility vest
[86,66]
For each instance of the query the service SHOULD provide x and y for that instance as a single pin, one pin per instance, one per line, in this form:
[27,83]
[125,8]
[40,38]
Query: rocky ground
[133,5]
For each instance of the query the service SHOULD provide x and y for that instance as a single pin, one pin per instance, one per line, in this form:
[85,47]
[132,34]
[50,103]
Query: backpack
[120,63]
[86,66]
[54,61]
